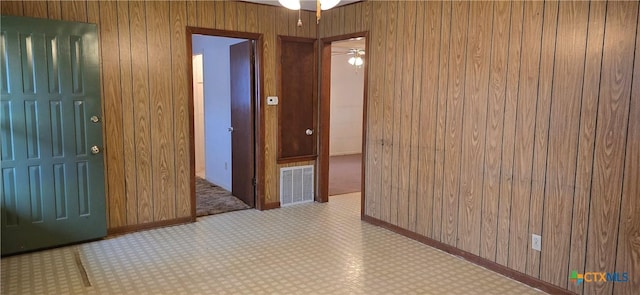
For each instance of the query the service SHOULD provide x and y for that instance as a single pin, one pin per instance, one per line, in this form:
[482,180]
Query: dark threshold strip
[83,271]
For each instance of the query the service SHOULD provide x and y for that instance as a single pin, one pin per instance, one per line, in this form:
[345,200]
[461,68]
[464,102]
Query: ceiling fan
[345,51]
[356,56]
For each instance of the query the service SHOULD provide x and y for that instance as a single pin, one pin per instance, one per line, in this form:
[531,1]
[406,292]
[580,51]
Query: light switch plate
[272,100]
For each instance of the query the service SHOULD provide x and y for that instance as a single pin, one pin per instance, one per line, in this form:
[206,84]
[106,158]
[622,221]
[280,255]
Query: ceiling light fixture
[320,5]
[356,60]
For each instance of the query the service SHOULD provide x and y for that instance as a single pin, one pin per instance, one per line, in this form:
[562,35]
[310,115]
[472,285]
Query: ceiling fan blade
[341,53]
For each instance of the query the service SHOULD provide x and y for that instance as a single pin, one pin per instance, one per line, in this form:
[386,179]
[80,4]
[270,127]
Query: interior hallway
[311,248]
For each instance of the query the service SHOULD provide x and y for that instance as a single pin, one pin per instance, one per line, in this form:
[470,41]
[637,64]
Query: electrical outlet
[536,242]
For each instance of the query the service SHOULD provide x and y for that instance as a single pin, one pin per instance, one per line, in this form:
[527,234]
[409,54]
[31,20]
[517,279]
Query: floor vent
[296,185]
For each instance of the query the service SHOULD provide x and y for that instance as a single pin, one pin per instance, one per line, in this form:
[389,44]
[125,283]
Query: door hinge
[254,181]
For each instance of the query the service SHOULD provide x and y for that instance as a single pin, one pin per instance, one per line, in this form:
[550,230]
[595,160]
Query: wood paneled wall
[487,121]
[491,121]
[145,93]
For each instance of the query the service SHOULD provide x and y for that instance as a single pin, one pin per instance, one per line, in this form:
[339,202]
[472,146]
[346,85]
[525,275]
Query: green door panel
[52,185]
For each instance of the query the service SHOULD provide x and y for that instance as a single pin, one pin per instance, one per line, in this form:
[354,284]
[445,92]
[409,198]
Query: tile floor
[305,249]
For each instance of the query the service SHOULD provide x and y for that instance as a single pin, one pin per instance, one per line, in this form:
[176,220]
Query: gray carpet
[344,174]
[212,199]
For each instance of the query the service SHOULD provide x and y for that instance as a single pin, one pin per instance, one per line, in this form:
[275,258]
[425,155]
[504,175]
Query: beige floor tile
[305,249]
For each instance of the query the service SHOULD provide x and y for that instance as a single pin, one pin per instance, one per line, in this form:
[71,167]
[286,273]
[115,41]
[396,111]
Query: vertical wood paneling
[74,10]
[128,119]
[350,18]
[358,15]
[205,14]
[387,136]
[443,85]
[34,8]
[335,19]
[281,28]
[474,125]
[494,126]
[112,109]
[628,250]
[427,90]
[93,16]
[535,98]
[325,27]
[341,21]
[241,16]
[359,25]
[311,23]
[54,9]
[453,130]
[251,18]
[525,121]
[219,10]
[508,137]
[611,135]
[180,88]
[404,164]
[161,105]
[414,125]
[266,14]
[563,128]
[591,89]
[282,22]
[192,13]
[547,59]
[230,21]
[530,172]
[140,77]
[375,102]
[372,146]
[396,149]
[12,8]
[367,15]
[292,23]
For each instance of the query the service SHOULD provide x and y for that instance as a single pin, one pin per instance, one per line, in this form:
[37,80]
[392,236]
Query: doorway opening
[225,119]
[343,131]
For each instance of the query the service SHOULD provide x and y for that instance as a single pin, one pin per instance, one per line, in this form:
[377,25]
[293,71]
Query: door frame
[259,146]
[324,117]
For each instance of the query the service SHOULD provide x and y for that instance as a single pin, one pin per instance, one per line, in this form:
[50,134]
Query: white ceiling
[305,4]
[345,45]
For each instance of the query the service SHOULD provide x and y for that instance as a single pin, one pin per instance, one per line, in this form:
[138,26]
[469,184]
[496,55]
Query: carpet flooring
[344,174]
[212,199]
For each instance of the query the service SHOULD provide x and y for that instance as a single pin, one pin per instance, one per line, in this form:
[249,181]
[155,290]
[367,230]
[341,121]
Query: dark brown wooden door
[242,122]
[297,107]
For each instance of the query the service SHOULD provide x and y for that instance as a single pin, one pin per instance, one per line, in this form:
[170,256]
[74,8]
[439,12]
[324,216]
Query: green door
[52,163]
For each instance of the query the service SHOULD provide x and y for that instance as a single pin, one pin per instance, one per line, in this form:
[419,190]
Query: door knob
[230,129]
[95,119]
[95,150]
[309,131]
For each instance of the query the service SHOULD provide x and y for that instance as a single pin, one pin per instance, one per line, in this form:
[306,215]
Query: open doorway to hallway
[343,111]
[346,105]
[224,145]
